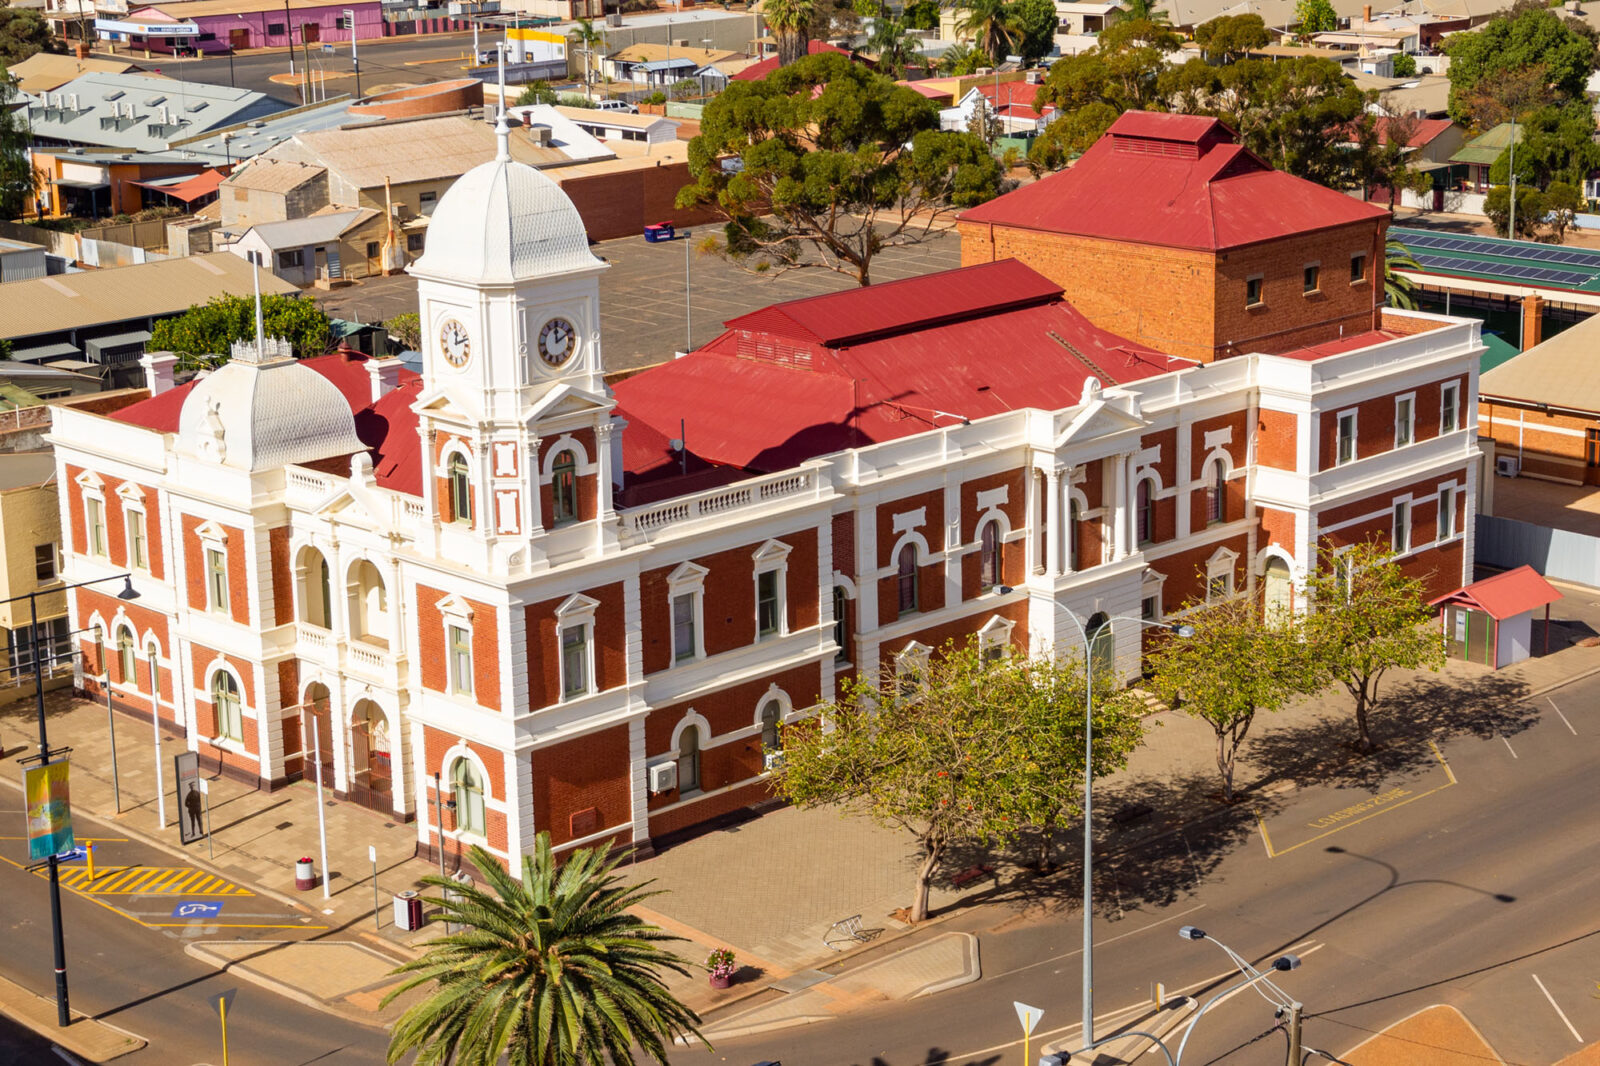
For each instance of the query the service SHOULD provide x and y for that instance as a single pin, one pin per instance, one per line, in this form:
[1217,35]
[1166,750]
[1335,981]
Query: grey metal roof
[140,112]
[313,229]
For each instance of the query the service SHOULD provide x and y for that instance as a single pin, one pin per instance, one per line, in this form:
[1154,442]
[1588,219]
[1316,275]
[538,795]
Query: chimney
[1366,14]
[385,375]
[1532,320]
[158,370]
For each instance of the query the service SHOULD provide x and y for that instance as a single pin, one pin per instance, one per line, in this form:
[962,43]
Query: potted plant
[721,967]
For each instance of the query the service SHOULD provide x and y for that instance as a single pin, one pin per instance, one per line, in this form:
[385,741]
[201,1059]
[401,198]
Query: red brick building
[1168,232]
[503,590]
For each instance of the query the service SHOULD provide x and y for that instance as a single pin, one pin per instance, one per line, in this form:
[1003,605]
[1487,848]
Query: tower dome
[501,222]
[264,410]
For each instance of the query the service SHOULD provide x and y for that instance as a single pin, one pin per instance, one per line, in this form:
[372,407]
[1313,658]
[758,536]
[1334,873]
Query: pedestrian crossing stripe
[148,881]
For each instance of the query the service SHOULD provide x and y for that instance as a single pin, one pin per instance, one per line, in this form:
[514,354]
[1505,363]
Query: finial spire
[502,129]
[261,332]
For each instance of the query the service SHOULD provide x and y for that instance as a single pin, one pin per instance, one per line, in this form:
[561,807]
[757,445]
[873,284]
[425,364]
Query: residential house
[1477,156]
[1542,408]
[659,66]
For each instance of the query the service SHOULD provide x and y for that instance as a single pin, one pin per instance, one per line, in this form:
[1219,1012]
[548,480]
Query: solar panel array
[1506,250]
[1510,271]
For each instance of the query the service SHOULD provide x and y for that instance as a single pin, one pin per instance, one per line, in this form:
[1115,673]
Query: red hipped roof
[1176,181]
[757,71]
[1504,595]
[819,375]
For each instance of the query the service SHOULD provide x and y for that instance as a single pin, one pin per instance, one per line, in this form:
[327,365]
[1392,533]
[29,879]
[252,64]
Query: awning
[657,65]
[98,346]
[39,354]
[187,188]
[74,183]
[1504,595]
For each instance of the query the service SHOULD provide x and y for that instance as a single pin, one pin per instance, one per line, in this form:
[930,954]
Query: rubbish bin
[305,876]
[464,879]
[408,911]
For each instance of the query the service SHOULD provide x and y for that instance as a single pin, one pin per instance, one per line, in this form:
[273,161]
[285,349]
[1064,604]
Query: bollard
[88,857]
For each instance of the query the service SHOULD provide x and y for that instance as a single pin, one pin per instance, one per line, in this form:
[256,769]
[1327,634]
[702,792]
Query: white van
[616,105]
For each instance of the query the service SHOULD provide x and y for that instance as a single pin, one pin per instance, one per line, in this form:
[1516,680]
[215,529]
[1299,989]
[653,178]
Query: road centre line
[1450,779]
[1509,748]
[1098,943]
[1559,1012]
[1564,721]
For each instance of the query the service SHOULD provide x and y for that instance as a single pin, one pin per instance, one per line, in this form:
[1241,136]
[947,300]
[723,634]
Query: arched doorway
[1102,648]
[316,601]
[369,605]
[371,761]
[314,709]
[1278,589]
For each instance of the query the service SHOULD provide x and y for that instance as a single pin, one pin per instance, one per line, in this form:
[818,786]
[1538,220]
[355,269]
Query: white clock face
[557,341]
[454,343]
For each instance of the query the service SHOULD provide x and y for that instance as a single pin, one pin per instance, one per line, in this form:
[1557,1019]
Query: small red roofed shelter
[1491,621]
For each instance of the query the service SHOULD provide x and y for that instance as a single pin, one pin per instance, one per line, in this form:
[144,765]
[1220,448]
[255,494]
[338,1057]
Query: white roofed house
[318,248]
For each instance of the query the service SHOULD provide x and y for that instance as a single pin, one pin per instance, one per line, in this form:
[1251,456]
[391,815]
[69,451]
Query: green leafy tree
[1123,70]
[893,45]
[961,59]
[1228,37]
[1142,11]
[1069,136]
[1243,660]
[1282,111]
[839,18]
[836,163]
[1530,210]
[406,329]
[18,180]
[1490,66]
[789,22]
[1404,65]
[536,92]
[24,32]
[205,333]
[551,970]
[922,15]
[1367,618]
[1562,204]
[1553,144]
[1398,290]
[952,753]
[991,25]
[1035,22]
[683,88]
[1315,16]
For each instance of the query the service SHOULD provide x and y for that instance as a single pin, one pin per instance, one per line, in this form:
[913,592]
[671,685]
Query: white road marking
[1553,707]
[1098,943]
[1557,1007]
[1509,748]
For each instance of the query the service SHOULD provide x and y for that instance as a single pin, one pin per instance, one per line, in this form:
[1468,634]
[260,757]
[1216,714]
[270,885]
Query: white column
[602,449]
[1130,530]
[1052,564]
[1030,510]
[1116,489]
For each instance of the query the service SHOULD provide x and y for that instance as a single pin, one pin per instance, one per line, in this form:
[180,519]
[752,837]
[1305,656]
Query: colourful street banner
[49,810]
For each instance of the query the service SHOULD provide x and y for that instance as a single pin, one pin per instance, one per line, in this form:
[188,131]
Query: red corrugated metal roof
[1423,130]
[1175,181]
[757,71]
[839,318]
[1505,595]
[1008,92]
[795,400]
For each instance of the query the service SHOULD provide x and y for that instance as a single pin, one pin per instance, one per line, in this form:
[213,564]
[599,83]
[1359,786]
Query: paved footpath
[769,888]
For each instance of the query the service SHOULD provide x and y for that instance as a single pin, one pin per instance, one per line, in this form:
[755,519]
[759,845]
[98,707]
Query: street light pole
[355,61]
[57,936]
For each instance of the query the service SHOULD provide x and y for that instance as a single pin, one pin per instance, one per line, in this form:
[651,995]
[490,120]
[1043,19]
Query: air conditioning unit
[1507,465]
[771,760]
[663,777]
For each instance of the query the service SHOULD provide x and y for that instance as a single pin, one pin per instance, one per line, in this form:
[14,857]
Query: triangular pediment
[1098,418]
[564,401]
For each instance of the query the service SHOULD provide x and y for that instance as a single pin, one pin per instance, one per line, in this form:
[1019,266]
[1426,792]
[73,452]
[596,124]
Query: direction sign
[193,908]
[1028,1016]
[78,854]
[222,999]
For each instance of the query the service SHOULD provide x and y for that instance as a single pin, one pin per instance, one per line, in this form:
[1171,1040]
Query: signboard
[191,801]
[49,809]
[148,29]
[1028,1016]
[222,1000]
[193,908]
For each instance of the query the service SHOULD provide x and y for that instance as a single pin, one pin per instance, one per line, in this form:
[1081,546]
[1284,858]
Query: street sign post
[220,1003]
[377,914]
[1029,1017]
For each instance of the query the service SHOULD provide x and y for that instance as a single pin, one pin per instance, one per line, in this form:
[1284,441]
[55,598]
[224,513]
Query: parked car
[616,105]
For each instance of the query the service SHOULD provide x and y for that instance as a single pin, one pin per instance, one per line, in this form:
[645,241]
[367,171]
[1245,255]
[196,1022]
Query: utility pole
[288,35]
[355,61]
[1295,1010]
[1511,231]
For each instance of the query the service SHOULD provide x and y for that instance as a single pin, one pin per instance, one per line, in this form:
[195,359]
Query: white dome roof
[503,221]
[260,416]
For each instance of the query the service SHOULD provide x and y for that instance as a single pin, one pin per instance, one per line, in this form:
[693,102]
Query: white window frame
[480,831]
[1405,430]
[451,452]
[1361,257]
[1449,404]
[1447,507]
[576,612]
[94,525]
[688,579]
[1261,293]
[1339,437]
[213,539]
[913,660]
[994,639]
[1221,566]
[1400,522]
[772,558]
[216,706]
[455,613]
[1317,288]
[138,542]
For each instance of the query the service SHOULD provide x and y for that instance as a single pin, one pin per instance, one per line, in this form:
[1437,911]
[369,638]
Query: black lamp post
[63,1013]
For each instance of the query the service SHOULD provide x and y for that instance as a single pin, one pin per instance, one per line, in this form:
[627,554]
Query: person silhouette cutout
[192,804]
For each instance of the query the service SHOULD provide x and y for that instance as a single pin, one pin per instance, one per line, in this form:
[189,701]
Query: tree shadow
[934,1056]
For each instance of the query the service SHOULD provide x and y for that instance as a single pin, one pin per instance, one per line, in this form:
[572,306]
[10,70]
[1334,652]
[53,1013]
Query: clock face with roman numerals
[557,341]
[455,343]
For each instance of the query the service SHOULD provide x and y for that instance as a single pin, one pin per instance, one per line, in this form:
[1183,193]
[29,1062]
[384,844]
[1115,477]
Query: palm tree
[1399,291]
[894,45]
[547,971]
[790,23]
[960,58]
[588,36]
[1136,10]
[991,24]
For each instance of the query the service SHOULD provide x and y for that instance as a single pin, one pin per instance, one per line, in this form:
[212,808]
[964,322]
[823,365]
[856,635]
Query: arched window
[771,714]
[564,489]
[468,784]
[1146,511]
[1102,650]
[460,488]
[991,563]
[97,639]
[153,653]
[908,578]
[841,624]
[1073,540]
[1217,492]
[689,760]
[125,660]
[225,701]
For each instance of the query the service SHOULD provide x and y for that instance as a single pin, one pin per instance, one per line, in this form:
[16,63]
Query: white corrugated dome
[503,221]
[262,415]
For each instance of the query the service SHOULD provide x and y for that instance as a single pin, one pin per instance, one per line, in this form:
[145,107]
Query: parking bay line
[1509,748]
[1559,1012]
[1450,779]
[1564,721]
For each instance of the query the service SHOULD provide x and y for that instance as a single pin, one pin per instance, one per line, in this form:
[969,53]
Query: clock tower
[509,297]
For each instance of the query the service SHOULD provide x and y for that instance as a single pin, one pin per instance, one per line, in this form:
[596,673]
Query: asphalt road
[126,965]
[1481,893]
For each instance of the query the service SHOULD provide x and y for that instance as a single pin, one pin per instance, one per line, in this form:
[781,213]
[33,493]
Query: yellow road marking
[1450,779]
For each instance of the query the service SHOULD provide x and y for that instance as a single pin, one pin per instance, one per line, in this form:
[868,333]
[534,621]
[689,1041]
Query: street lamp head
[1004,590]
[128,592]
[1189,932]
[1183,631]
[1285,963]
